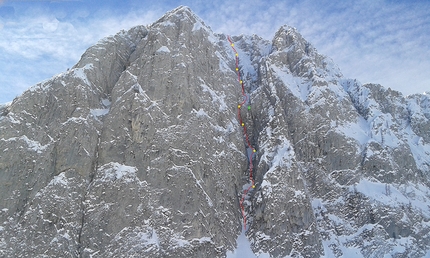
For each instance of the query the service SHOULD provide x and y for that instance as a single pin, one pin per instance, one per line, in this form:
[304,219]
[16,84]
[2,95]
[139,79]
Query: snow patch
[167,23]
[358,130]
[163,49]
[297,86]
[200,113]
[419,149]
[99,112]
[223,66]
[379,191]
[197,26]
[149,238]
[216,97]
[243,249]
[415,196]
[106,102]
[181,242]
[81,74]
[12,119]
[5,105]
[60,179]
[77,120]
[281,156]
[32,145]
[113,171]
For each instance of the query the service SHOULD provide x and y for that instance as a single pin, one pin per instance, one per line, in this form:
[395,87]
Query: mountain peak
[142,150]
[178,15]
[288,36]
[180,11]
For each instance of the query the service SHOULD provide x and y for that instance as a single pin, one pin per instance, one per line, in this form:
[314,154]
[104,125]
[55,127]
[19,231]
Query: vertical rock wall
[136,151]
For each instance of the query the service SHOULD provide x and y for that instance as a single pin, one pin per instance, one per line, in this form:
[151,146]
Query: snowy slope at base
[243,249]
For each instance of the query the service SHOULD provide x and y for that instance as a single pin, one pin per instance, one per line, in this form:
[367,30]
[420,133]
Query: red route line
[245,99]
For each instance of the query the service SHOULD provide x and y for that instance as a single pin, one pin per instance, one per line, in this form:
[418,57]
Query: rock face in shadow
[136,152]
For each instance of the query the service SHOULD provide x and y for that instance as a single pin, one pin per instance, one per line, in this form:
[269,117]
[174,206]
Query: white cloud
[36,47]
[51,26]
[372,41]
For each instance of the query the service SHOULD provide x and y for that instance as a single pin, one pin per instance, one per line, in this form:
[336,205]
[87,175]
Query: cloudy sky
[379,41]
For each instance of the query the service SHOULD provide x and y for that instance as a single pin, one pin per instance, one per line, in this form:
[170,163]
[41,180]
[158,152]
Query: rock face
[137,152]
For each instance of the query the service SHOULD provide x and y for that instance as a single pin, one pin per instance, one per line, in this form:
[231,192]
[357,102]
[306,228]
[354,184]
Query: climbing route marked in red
[245,134]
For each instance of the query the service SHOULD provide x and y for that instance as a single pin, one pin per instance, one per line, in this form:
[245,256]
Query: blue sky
[379,41]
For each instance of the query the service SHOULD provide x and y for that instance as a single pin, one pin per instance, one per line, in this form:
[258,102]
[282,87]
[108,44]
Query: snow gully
[251,150]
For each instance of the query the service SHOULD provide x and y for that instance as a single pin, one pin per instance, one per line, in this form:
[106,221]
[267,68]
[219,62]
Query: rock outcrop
[136,151]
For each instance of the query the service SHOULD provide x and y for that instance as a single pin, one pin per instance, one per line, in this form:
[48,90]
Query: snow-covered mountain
[137,151]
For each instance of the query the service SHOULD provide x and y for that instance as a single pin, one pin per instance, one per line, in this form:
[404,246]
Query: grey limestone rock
[137,151]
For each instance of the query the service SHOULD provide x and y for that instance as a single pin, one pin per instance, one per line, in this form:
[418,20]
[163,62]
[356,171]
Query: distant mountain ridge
[137,151]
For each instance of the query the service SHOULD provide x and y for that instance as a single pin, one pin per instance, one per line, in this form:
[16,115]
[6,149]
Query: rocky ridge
[136,151]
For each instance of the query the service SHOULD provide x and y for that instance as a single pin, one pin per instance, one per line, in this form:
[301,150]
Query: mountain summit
[141,150]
